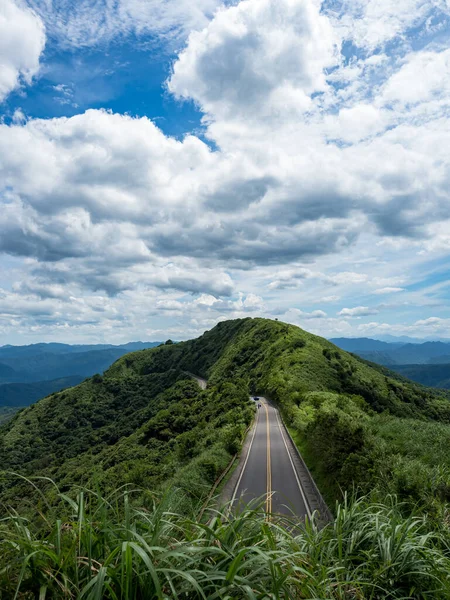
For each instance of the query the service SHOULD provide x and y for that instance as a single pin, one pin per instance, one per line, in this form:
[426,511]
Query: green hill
[145,420]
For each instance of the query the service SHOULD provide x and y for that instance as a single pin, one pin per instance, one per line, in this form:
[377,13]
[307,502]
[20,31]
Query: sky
[168,164]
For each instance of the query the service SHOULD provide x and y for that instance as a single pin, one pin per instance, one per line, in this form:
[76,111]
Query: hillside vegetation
[145,422]
[145,417]
[151,429]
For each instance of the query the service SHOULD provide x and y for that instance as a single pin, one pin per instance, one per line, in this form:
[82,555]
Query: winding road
[268,468]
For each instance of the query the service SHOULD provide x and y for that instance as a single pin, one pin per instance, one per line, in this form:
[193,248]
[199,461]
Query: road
[268,469]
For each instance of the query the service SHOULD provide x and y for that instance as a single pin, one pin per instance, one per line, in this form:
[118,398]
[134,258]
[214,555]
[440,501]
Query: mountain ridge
[145,419]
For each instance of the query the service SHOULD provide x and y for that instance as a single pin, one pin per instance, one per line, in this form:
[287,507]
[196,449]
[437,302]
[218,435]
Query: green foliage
[114,547]
[147,423]
[139,429]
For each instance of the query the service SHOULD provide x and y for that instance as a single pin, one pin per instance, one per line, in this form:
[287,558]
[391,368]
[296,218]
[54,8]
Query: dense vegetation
[146,423]
[145,417]
[151,429]
[111,548]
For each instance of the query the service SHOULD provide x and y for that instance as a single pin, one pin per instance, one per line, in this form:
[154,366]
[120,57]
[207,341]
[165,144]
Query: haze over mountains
[427,363]
[28,373]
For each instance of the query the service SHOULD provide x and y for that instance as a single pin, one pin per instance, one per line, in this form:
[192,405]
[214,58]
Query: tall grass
[114,548]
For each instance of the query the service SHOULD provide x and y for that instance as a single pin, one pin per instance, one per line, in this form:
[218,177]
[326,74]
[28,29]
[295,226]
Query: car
[256,398]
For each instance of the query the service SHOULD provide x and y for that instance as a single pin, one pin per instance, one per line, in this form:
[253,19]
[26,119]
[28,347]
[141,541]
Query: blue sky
[124,77]
[168,164]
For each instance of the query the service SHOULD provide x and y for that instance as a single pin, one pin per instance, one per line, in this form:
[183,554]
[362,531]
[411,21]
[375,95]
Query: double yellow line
[269,467]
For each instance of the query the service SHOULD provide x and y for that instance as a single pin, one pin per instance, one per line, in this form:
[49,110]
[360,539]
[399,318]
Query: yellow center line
[269,467]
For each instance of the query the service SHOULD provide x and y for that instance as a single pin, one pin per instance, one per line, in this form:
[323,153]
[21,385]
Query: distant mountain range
[22,394]
[28,373]
[45,362]
[427,362]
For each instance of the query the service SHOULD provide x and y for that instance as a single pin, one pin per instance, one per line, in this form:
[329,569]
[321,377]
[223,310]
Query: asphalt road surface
[268,469]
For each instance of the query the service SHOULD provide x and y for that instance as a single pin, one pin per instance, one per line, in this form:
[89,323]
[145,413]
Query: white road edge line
[293,466]
[245,463]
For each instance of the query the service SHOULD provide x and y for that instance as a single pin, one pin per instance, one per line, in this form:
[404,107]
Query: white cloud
[358,311]
[356,123]
[320,168]
[425,76]
[255,58]
[22,40]
[388,290]
[92,22]
[300,314]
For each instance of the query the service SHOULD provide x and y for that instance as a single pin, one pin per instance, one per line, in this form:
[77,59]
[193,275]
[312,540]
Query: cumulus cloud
[22,40]
[315,154]
[255,57]
[425,76]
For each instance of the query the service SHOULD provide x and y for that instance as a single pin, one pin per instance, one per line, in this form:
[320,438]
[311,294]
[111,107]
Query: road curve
[268,469]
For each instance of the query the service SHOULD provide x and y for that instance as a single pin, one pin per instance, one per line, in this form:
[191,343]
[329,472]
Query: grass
[114,548]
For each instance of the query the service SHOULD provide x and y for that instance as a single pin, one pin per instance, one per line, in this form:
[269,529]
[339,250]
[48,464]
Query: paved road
[268,469]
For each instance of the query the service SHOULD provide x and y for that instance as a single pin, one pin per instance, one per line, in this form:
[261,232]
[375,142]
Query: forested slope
[147,423]
[145,418]
[145,429]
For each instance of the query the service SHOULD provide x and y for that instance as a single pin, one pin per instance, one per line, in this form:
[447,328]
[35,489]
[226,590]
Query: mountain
[443,359]
[362,429]
[145,421]
[58,348]
[382,358]
[41,362]
[23,394]
[389,354]
[405,339]
[437,376]
[7,373]
[364,345]
[420,353]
